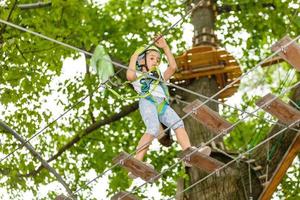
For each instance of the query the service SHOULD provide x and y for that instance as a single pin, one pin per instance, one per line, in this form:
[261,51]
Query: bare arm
[161,43]
[131,71]
[172,64]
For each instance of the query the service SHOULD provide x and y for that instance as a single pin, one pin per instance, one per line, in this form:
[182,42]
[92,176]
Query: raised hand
[160,41]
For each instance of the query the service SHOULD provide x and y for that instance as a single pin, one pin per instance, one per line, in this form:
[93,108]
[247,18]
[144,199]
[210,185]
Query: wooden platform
[208,118]
[283,166]
[208,61]
[122,194]
[291,53]
[136,167]
[284,112]
[201,161]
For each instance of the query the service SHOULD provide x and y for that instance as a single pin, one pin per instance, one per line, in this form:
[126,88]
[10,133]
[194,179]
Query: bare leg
[146,138]
[182,138]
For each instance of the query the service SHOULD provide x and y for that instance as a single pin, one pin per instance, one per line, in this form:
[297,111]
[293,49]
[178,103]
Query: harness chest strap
[161,107]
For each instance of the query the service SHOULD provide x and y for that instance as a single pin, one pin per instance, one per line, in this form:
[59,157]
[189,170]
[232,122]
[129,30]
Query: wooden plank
[199,59]
[203,69]
[136,167]
[221,80]
[122,194]
[199,63]
[207,117]
[202,48]
[283,166]
[189,75]
[201,161]
[291,53]
[284,112]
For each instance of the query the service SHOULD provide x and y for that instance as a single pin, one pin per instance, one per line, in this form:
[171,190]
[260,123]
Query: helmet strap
[146,62]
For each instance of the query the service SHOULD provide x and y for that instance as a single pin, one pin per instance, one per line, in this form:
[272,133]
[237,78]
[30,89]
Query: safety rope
[82,51]
[206,143]
[230,85]
[238,158]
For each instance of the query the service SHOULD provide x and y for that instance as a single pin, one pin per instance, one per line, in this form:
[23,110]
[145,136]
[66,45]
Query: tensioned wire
[208,98]
[85,52]
[296,38]
[147,144]
[88,53]
[238,157]
[197,107]
[53,121]
[212,139]
[170,84]
[253,139]
[278,123]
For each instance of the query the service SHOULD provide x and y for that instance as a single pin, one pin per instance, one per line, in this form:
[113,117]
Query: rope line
[255,136]
[212,139]
[197,107]
[87,53]
[53,121]
[120,65]
[295,104]
[208,98]
[84,52]
[237,158]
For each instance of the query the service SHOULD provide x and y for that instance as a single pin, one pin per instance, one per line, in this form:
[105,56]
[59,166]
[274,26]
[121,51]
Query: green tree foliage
[32,95]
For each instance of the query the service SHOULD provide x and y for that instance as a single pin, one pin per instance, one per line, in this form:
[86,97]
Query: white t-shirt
[157,92]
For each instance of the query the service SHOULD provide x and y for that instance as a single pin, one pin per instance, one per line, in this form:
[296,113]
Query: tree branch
[37,155]
[18,48]
[228,8]
[7,19]
[124,112]
[33,5]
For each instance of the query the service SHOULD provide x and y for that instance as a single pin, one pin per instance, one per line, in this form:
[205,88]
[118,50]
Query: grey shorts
[152,120]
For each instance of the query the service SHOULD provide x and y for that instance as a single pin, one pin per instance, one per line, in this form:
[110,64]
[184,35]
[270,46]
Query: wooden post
[284,112]
[283,166]
[207,117]
[291,53]
[136,167]
[180,188]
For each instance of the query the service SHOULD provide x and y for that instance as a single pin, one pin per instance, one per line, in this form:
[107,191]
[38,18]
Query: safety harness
[146,84]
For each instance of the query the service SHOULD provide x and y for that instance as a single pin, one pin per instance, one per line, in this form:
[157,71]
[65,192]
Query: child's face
[153,59]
